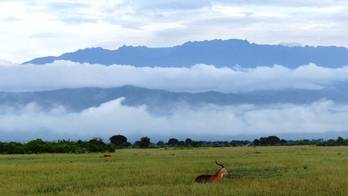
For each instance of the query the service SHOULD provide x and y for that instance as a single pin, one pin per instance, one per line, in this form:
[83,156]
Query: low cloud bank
[323,118]
[198,78]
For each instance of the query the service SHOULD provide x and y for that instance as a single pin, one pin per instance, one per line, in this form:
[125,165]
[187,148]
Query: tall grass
[297,170]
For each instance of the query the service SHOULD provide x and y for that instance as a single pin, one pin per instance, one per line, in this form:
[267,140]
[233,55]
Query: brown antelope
[212,178]
[106,155]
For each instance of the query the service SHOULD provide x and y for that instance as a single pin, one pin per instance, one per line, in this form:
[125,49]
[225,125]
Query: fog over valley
[198,78]
[205,70]
[178,115]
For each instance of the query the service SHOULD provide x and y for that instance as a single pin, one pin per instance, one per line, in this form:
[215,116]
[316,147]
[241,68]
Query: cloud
[198,78]
[111,24]
[207,122]
[33,29]
[323,118]
[6,63]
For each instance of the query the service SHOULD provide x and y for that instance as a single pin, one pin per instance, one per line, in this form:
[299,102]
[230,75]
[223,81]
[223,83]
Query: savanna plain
[279,170]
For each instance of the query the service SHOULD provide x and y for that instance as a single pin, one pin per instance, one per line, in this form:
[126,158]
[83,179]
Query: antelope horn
[219,164]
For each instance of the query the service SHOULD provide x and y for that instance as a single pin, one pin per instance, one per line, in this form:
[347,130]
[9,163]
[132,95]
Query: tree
[257,142]
[144,142]
[197,143]
[283,142]
[37,146]
[97,145]
[136,144]
[188,142]
[118,140]
[273,140]
[160,143]
[340,141]
[13,148]
[126,145]
[173,142]
[270,140]
[234,143]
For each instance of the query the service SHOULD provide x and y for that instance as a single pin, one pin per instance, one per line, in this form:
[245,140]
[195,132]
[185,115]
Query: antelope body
[106,155]
[212,178]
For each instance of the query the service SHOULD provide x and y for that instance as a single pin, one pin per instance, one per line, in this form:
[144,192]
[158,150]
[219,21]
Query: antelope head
[222,170]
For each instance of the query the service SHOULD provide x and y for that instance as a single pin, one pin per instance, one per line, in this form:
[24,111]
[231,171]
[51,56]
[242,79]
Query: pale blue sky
[31,29]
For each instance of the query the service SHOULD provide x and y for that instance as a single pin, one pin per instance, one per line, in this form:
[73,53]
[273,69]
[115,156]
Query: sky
[31,29]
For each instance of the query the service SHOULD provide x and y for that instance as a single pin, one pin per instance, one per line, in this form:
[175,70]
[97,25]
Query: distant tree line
[60,146]
[269,141]
[120,141]
[275,141]
[338,142]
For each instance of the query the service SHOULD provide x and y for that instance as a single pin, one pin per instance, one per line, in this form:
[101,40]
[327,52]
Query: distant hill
[220,53]
[164,102]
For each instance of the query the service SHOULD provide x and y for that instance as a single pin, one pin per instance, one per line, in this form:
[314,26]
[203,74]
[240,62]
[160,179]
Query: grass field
[295,170]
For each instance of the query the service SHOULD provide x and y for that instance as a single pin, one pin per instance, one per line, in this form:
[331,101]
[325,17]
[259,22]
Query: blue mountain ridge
[164,102]
[220,53]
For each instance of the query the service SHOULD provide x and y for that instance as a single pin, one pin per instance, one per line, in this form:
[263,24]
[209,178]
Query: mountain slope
[219,53]
[161,101]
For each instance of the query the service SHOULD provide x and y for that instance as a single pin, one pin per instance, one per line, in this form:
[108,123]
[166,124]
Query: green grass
[296,170]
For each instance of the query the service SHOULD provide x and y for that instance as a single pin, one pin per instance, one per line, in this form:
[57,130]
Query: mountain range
[164,102]
[220,53]
[268,99]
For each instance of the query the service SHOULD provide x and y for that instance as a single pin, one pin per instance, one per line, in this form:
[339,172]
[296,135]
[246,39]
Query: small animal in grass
[212,178]
[106,155]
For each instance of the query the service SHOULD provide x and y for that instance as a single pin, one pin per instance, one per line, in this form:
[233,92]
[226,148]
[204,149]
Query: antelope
[212,178]
[106,155]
